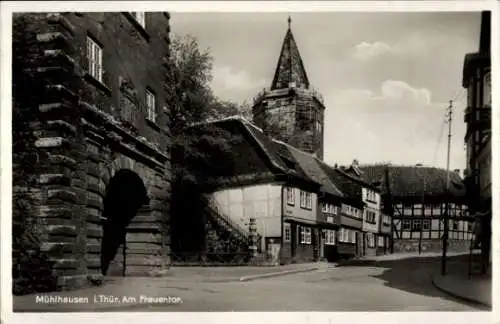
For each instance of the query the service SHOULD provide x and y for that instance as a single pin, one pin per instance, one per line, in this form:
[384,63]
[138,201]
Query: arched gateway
[125,194]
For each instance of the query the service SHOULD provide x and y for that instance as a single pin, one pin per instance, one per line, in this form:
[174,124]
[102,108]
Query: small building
[330,203]
[268,187]
[384,239]
[370,195]
[419,201]
[350,233]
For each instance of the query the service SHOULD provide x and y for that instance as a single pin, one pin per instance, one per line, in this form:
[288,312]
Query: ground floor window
[346,235]
[305,235]
[287,233]
[352,236]
[380,241]
[330,237]
[370,238]
[416,225]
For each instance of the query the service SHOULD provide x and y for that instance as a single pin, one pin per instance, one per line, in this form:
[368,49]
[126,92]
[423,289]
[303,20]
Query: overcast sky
[386,77]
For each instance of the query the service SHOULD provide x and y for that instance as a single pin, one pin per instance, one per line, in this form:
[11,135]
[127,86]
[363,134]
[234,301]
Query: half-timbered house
[330,203]
[349,236]
[269,189]
[419,201]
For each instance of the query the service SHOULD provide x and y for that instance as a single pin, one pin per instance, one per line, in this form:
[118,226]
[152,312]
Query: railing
[240,231]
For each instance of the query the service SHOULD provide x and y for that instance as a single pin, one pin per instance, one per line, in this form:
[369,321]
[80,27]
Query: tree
[198,153]
[191,100]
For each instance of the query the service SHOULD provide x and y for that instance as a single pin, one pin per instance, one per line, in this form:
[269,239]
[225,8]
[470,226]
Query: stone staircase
[227,242]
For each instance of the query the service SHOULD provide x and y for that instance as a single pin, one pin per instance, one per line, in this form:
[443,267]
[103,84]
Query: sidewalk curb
[277,274]
[464,298]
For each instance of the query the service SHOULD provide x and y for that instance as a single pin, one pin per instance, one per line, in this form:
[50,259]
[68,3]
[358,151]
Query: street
[392,285]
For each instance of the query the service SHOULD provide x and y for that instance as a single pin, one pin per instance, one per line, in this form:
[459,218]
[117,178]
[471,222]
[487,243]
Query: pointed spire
[290,70]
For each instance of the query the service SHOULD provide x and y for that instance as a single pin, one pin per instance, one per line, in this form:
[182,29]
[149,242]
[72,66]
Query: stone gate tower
[291,111]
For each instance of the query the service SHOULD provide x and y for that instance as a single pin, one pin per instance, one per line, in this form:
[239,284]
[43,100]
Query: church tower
[291,111]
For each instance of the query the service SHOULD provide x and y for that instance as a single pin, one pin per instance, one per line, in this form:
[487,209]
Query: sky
[386,77]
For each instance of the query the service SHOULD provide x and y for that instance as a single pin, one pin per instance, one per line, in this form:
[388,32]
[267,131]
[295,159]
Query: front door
[294,230]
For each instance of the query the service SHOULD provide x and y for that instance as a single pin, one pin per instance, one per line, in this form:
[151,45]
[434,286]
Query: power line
[439,139]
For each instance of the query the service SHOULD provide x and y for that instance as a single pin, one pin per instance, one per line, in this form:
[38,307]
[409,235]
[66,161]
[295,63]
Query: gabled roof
[290,68]
[350,187]
[408,181]
[311,167]
[269,152]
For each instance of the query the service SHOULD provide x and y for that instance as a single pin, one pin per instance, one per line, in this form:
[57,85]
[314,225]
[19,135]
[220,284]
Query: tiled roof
[311,167]
[258,153]
[350,188]
[290,68]
[282,149]
[408,181]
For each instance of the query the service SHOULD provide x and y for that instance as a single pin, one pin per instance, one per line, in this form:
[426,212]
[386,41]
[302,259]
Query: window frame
[330,237]
[287,233]
[149,93]
[407,222]
[305,235]
[414,226]
[94,66]
[380,237]
[305,200]
[290,196]
[353,237]
[426,224]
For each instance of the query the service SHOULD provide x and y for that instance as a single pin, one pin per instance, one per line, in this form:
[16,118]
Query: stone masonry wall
[80,137]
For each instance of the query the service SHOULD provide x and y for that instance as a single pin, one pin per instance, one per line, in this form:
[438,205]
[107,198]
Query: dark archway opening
[125,194]
[188,223]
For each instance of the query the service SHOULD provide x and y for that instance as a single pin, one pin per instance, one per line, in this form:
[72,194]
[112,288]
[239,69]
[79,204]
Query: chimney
[457,171]
[355,162]
[336,165]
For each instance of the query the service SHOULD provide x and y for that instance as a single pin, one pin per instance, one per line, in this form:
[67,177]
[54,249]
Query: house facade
[329,203]
[385,234]
[419,200]
[370,196]
[88,87]
[270,191]
[477,81]
[371,220]
[350,237]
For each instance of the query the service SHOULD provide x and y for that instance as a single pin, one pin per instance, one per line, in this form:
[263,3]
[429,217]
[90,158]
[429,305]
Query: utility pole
[449,115]
[419,165]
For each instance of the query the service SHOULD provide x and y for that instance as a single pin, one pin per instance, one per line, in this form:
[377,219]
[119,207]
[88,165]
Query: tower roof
[290,68]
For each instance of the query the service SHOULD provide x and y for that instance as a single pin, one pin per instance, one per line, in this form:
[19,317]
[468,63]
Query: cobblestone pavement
[393,285]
